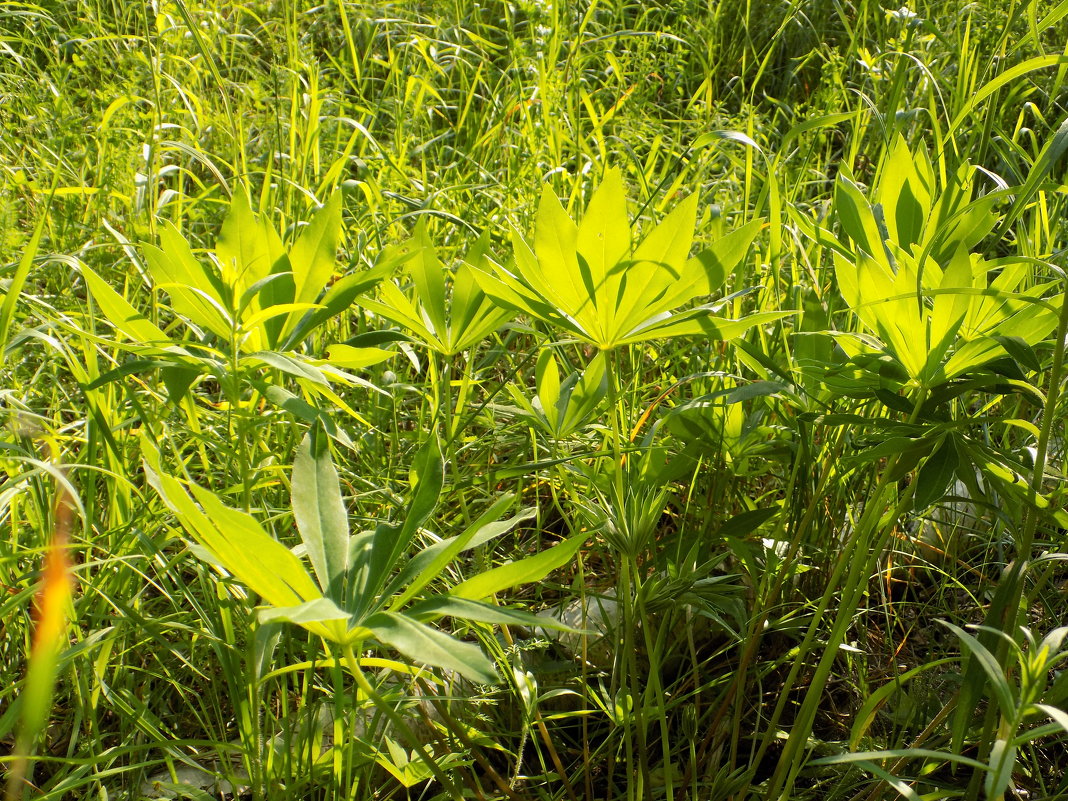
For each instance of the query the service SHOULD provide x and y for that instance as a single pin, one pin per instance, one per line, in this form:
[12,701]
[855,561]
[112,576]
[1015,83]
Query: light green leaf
[121,314]
[533,568]
[351,358]
[193,293]
[480,612]
[428,646]
[314,253]
[428,564]
[320,610]
[320,512]
[428,275]
[555,243]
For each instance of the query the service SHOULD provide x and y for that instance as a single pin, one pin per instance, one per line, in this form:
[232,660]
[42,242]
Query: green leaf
[389,544]
[194,294]
[245,254]
[547,378]
[320,610]
[338,297]
[864,718]
[480,612]
[556,274]
[994,672]
[320,512]
[716,262]
[351,358]
[905,193]
[603,245]
[428,274]
[315,252]
[425,645]
[533,568]
[290,365]
[936,475]
[121,314]
[22,271]
[429,563]
[1002,762]
[857,219]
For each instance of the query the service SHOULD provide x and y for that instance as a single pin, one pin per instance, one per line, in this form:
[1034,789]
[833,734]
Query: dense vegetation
[530,400]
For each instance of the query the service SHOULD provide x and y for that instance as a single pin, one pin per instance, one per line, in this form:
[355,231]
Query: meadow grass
[812,508]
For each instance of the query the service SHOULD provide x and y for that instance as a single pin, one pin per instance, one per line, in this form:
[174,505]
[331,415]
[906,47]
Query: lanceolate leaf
[314,253]
[428,564]
[480,612]
[428,646]
[320,512]
[194,293]
[533,568]
[118,311]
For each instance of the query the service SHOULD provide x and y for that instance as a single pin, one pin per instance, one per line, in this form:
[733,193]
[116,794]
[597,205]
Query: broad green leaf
[320,610]
[428,275]
[1002,762]
[314,254]
[557,266]
[936,475]
[428,646]
[352,358]
[547,376]
[858,220]
[876,699]
[533,568]
[238,542]
[288,364]
[244,251]
[654,267]
[701,323]
[904,193]
[121,314]
[254,556]
[1059,716]
[709,268]
[603,245]
[898,753]
[480,612]
[320,512]
[195,293]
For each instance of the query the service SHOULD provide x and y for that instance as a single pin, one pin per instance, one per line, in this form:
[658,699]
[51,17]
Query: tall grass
[812,565]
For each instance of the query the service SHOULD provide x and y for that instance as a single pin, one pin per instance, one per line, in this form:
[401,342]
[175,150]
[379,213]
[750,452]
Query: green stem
[859,554]
[398,723]
[1049,417]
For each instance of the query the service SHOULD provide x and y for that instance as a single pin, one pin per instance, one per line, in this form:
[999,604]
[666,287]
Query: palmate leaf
[586,280]
[448,317]
[368,587]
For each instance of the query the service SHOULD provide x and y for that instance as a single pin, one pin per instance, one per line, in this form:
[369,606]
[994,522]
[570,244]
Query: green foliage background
[785,516]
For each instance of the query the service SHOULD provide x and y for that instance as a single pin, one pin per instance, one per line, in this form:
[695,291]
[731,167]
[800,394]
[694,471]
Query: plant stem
[398,722]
